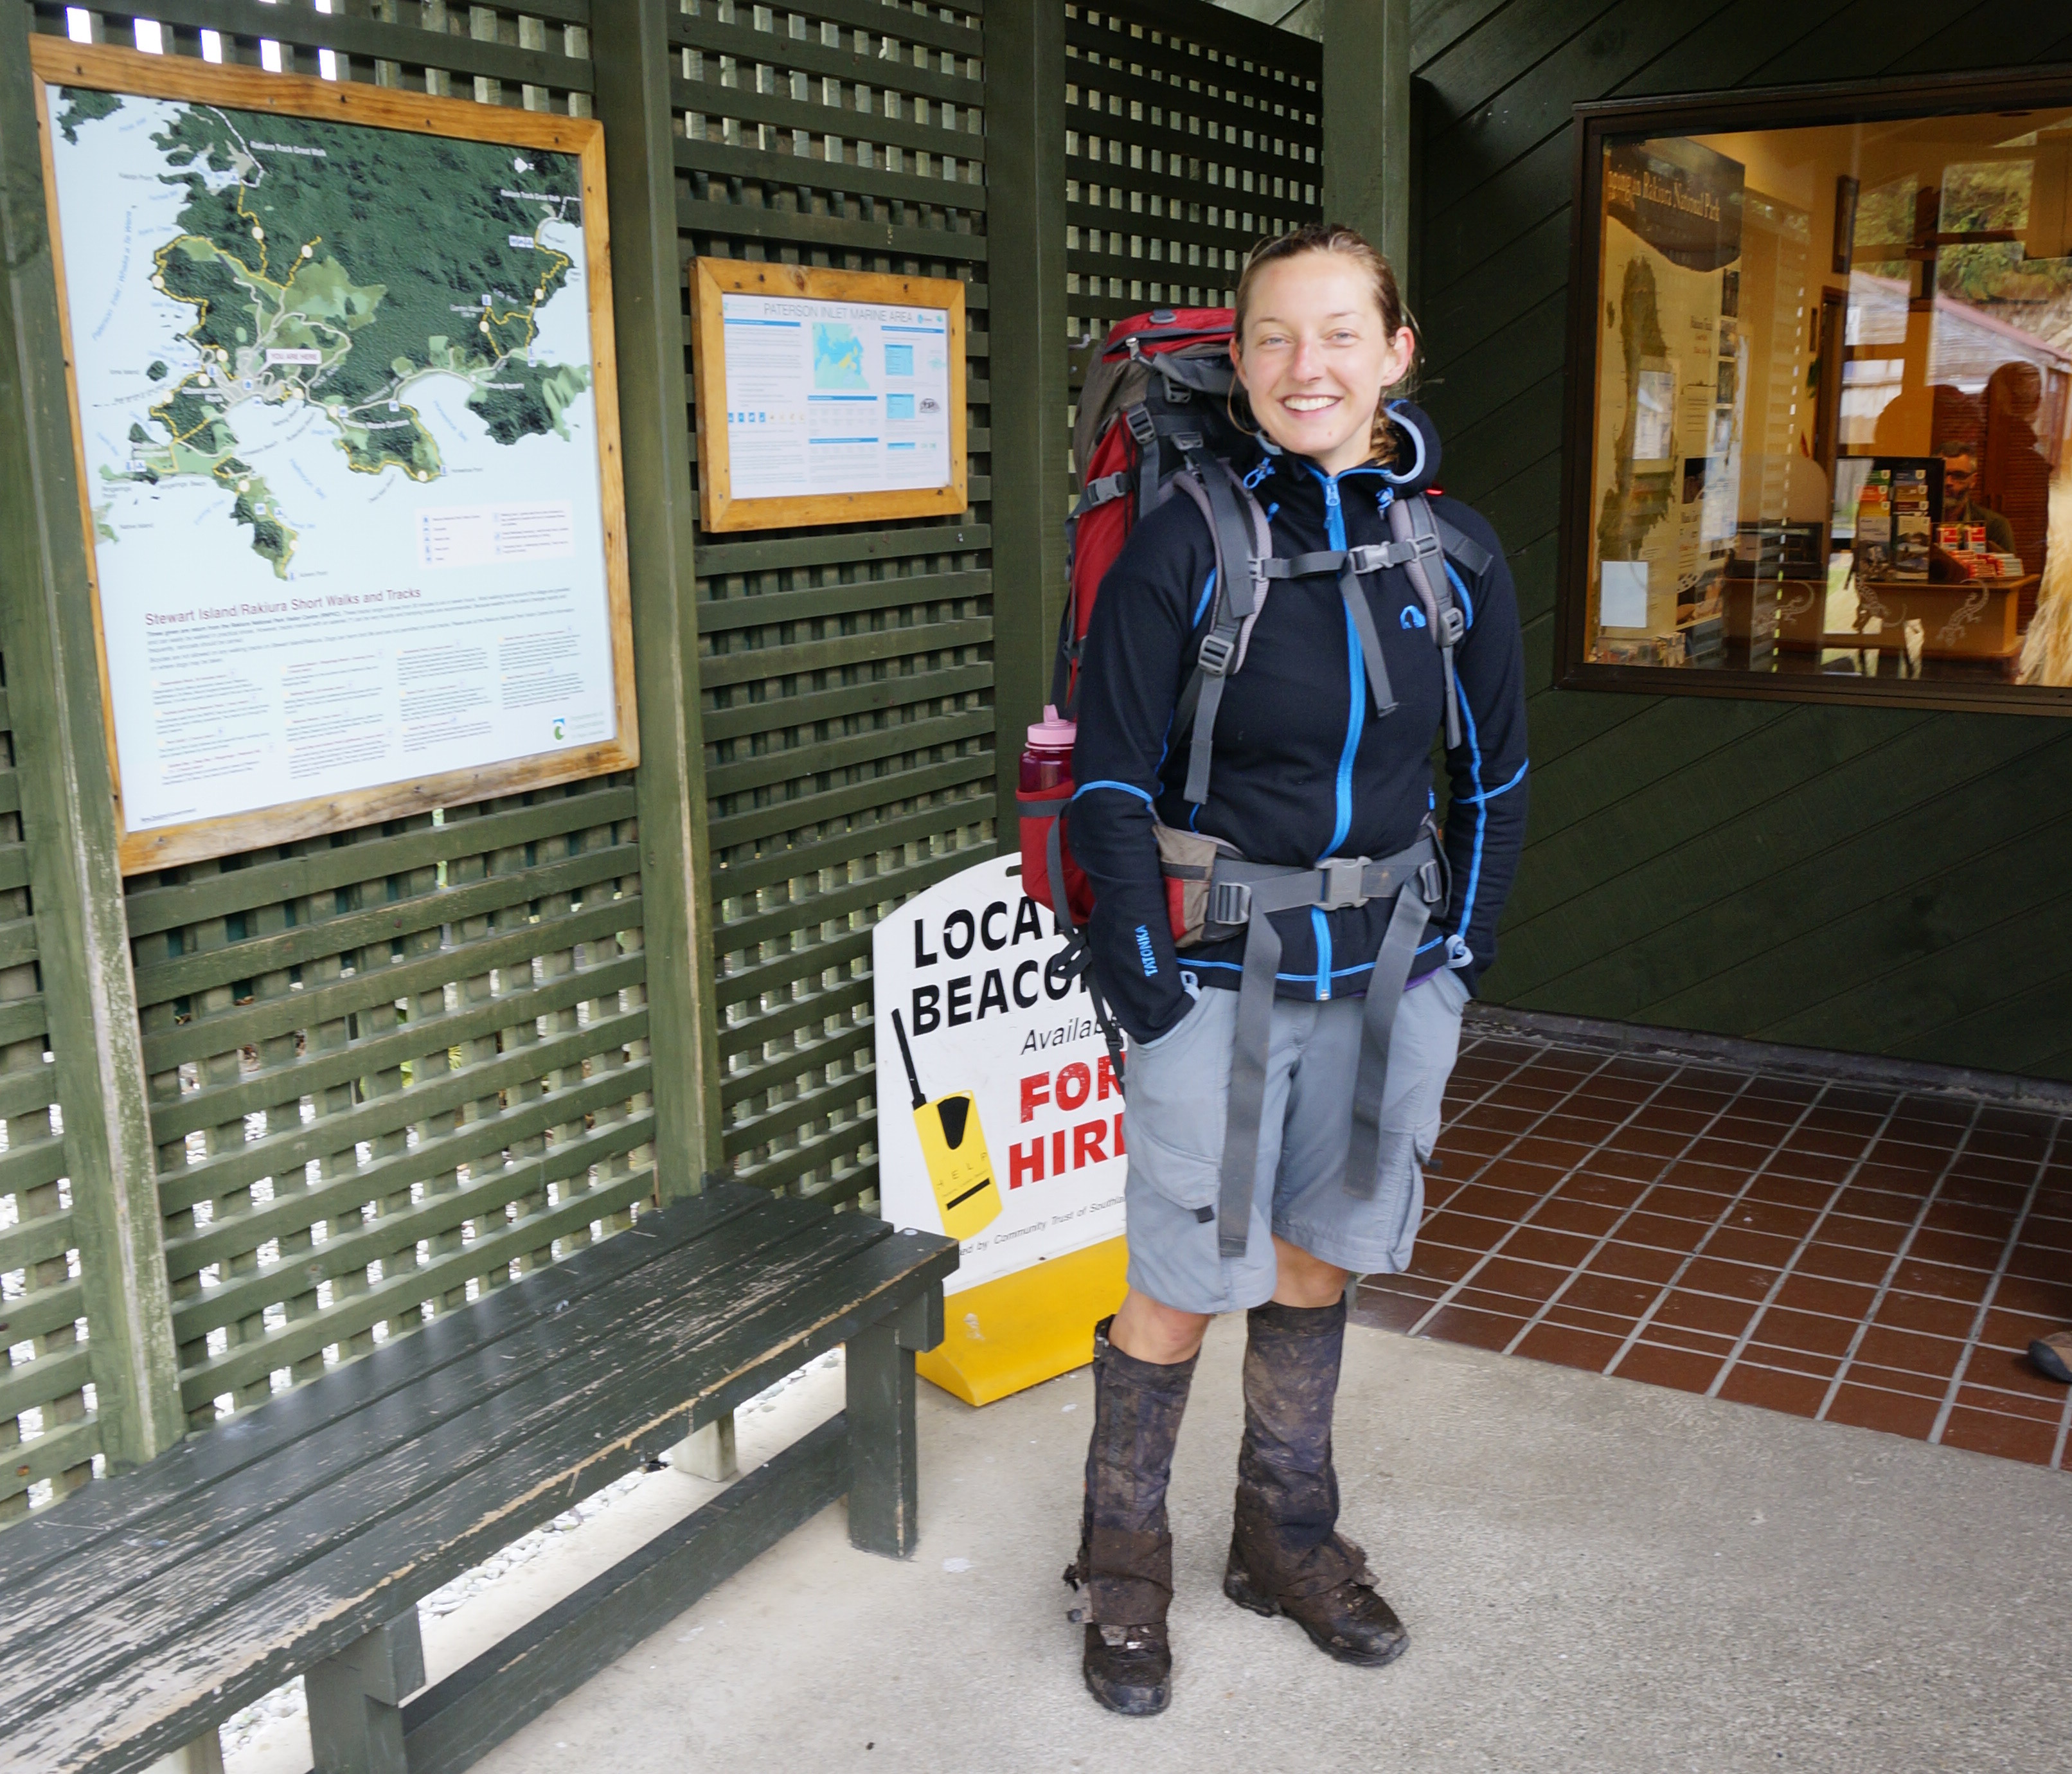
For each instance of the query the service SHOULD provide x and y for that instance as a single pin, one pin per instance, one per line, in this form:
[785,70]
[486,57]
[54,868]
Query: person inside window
[1960,490]
[1277,1129]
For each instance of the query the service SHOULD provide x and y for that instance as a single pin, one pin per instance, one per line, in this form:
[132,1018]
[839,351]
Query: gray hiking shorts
[1179,1086]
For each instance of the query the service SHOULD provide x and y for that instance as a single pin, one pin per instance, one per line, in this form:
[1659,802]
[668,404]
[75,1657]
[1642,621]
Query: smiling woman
[1288,1063]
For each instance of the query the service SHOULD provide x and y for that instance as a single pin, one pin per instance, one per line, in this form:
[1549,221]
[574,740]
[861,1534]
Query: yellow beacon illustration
[953,1147]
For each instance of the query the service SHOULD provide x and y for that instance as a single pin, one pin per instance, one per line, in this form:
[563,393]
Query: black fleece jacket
[1303,767]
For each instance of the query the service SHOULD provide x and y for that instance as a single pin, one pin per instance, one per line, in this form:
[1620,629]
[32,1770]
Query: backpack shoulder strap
[1244,544]
[1420,548]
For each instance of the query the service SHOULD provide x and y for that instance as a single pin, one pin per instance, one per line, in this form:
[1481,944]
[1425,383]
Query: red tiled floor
[1821,1248]
[1687,1370]
[1798,1393]
[1569,1346]
[1897,1414]
[2013,1438]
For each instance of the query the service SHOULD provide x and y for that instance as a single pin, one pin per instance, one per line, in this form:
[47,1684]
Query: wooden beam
[633,70]
[1025,97]
[1366,123]
[69,814]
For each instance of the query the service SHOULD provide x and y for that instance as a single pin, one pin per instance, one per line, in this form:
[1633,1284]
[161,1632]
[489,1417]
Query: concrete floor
[1598,1576]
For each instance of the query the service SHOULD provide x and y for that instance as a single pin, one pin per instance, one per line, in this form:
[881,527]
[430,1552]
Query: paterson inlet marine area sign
[999,1119]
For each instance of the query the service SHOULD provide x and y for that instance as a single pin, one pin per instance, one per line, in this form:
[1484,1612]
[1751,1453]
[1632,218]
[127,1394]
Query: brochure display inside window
[1820,396]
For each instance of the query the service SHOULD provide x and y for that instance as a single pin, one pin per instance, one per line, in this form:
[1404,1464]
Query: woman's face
[1315,357]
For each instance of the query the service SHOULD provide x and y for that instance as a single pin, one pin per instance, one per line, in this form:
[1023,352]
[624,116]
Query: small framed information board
[826,397]
[347,436]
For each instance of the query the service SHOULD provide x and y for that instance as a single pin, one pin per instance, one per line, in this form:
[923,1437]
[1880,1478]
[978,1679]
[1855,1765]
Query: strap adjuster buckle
[1427,545]
[1432,880]
[1139,421]
[1369,557]
[1342,878]
[1217,652]
[1453,624]
[1230,901]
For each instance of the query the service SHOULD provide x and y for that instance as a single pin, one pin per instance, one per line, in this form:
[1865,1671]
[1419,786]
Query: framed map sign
[826,397]
[347,445]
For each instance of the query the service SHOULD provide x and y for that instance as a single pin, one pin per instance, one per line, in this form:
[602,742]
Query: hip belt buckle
[1343,879]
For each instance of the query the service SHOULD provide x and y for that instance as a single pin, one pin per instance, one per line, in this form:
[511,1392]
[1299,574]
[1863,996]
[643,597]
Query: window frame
[1711,114]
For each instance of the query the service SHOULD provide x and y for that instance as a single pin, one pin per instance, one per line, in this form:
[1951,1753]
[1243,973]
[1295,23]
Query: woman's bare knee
[1154,1332]
[1303,1280]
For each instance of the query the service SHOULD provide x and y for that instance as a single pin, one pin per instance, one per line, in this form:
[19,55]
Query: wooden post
[884,1494]
[1366,123]
[357,1700]
[631,40]
[69,817]
[1027,373]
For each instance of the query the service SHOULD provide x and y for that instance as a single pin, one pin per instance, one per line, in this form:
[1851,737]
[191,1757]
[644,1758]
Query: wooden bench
[298,1538]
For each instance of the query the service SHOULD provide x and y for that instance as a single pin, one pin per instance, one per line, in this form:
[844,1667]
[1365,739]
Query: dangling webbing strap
[1245,896]
[1416,530]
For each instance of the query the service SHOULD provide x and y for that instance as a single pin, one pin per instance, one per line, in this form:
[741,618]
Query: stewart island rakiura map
[336,397]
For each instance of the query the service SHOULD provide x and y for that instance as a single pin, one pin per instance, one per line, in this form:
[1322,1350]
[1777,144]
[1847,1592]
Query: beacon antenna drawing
[953,1148]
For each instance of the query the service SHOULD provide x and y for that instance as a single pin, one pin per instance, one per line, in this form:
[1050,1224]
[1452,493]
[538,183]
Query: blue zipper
[1334,528]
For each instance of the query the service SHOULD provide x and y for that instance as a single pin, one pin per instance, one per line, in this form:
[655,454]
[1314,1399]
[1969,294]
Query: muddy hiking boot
[1287,1556]
[1125,1569]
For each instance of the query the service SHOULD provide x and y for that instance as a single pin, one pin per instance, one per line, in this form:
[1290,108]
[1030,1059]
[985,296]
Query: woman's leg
[1124,1568]
[1287,1555]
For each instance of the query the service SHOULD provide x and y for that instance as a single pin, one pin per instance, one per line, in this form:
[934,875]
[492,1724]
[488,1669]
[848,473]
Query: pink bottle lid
[1050,733]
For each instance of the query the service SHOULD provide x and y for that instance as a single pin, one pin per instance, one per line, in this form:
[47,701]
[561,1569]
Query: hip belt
[1242,896]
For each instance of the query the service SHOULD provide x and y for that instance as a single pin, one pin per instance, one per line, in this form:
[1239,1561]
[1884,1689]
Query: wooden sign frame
[57,61]
[711,280]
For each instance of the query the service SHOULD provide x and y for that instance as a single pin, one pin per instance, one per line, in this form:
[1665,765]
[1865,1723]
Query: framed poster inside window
[1819,437]
[826,397]
[347,443]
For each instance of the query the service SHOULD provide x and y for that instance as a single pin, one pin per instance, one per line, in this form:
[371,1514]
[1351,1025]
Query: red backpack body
[1158,392]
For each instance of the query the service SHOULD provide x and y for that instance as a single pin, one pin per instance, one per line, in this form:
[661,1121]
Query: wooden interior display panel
[1855,878]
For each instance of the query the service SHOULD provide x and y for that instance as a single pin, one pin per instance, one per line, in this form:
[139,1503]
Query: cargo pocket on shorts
[1174,1111]
[1426,1043]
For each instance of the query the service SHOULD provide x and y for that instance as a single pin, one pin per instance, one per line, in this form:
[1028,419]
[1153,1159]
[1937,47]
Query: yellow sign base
[1003,1336]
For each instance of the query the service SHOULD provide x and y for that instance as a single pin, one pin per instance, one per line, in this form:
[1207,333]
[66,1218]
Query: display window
[1820,389]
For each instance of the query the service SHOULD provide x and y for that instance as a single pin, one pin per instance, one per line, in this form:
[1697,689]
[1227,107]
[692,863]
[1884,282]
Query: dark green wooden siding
[1878,880]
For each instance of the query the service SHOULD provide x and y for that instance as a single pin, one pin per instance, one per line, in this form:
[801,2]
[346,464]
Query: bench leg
[709,1453]
[357,1700]
[204,1756]
[884,1481]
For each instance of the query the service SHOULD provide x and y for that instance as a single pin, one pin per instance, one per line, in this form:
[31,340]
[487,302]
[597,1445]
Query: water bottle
[1046,760]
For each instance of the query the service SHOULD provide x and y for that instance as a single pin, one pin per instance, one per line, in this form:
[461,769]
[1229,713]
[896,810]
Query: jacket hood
[1417,449]
[1419,469]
